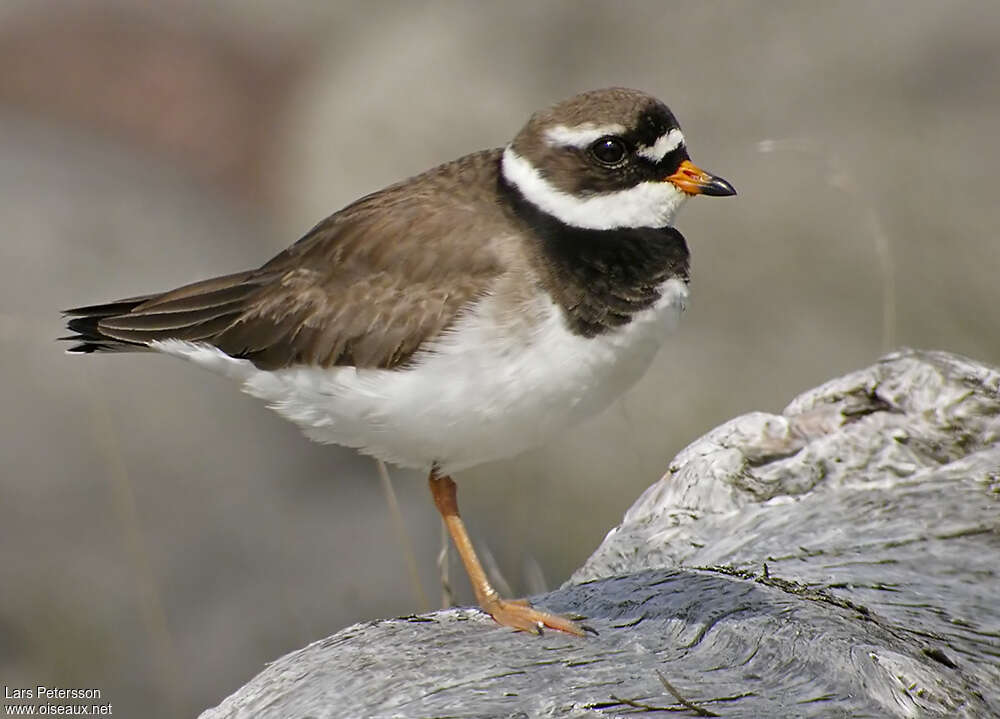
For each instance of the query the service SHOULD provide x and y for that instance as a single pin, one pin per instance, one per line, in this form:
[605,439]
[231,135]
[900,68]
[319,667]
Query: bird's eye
[608,150]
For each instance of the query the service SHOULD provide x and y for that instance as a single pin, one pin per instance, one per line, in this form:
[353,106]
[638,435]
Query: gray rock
[838,559]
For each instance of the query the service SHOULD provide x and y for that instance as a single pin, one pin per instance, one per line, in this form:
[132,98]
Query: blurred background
[163,535]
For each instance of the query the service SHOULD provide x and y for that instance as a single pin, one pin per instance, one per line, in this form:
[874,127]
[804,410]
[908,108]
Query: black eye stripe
[680,151]
[672,160]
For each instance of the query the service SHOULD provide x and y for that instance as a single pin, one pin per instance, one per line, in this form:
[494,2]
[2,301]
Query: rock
[839,559]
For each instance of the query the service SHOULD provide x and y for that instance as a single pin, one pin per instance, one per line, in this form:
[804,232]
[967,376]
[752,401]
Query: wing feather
[367,287]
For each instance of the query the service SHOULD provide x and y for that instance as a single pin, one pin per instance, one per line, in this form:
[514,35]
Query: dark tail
[85,322]
[196,312]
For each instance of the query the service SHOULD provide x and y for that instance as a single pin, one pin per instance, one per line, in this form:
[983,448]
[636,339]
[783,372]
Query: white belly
[471,398]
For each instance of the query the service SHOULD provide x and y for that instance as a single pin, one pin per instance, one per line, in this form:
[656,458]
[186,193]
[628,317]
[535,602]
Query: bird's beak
[694,181]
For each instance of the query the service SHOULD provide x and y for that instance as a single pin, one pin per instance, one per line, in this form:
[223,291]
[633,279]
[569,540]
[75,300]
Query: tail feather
[85,321]
[194,312]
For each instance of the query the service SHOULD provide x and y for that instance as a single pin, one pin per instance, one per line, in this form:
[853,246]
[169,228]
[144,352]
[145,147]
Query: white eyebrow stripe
[664,145]
[580,135]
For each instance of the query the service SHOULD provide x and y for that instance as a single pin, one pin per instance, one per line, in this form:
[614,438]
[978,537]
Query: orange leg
[510,613]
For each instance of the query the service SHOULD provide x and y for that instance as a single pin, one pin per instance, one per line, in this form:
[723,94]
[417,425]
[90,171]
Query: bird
[460,316]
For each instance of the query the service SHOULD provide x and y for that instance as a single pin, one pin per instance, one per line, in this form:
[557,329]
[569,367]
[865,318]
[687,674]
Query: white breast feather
[471,397]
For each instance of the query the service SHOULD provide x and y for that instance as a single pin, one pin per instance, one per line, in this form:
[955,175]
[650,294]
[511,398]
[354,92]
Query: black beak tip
[719,188]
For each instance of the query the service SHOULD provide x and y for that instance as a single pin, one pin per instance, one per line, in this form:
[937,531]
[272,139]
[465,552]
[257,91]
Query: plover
[460,316]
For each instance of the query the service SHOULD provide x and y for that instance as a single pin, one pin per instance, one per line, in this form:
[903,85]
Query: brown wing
[366,287]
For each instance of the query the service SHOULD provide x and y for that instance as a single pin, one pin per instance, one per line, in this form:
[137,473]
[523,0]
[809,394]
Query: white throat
[648,204]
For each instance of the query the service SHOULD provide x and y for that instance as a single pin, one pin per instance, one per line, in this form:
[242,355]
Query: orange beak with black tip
[693,180]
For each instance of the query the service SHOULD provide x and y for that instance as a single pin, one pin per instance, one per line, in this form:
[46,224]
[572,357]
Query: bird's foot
[518,614]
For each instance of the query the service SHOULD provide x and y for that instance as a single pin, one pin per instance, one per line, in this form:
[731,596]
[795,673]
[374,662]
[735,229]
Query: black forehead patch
[654,122]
